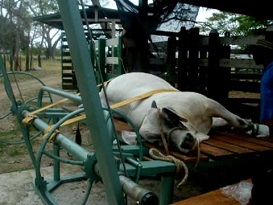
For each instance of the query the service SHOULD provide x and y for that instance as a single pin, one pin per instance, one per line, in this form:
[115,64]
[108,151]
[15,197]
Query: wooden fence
[211,65]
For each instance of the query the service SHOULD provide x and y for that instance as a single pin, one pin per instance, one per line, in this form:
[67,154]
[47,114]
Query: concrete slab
[16,189]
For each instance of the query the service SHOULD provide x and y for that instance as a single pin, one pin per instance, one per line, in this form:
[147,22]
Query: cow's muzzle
[182,139]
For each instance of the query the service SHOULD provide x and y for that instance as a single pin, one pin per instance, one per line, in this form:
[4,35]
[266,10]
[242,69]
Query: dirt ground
[13,152]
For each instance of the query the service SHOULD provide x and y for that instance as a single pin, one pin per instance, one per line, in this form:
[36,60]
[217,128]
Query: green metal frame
[111,164]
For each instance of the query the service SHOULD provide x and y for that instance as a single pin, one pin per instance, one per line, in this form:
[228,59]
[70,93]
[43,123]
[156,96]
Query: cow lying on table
[186,117]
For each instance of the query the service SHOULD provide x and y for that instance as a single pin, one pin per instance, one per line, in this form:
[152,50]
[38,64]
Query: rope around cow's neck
[156,154]
[196,145]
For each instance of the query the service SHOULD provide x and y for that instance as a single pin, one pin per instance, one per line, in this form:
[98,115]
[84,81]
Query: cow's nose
[188,142]
[189,137]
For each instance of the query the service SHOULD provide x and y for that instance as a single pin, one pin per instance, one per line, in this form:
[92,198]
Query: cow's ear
[154,104]
[172,115]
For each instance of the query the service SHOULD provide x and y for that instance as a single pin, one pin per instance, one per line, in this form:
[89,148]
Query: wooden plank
[245,86]
[213,151]
[244,143]
[111,60]
[227,63]
[215,197]
[266,142]
[234,40]
[121,125]
[227,146]
[250,76]
[244,100]
[112,42]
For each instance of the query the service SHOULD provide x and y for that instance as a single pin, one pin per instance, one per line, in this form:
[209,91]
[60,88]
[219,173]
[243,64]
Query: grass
[49,66]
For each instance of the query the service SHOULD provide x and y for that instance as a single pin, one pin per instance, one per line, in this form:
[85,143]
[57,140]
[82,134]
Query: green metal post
[166,195]
[87,85]
[119,54]
[56,163]
[101,58]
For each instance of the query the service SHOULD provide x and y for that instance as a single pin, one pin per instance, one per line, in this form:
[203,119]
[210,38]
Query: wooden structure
[211,65]
[106,56]
[106,25]
[225,147]
[69,81]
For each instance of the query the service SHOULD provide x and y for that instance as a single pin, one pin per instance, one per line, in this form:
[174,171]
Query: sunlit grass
[49,67]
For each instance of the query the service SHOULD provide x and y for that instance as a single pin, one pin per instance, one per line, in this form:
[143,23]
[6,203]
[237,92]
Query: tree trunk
[39,60]
[27,59]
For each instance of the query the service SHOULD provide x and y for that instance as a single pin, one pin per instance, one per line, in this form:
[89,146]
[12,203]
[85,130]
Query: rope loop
[180,165]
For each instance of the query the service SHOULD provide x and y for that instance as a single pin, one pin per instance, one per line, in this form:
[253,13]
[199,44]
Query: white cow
[186,117]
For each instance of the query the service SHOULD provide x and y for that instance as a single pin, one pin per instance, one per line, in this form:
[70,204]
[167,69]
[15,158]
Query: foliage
[235,24]
[7,36]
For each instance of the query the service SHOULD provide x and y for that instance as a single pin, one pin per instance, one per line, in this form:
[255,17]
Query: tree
[46,33]
[15,23]
[235,24]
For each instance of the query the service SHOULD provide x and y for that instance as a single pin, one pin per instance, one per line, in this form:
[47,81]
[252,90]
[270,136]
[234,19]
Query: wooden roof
[95,14]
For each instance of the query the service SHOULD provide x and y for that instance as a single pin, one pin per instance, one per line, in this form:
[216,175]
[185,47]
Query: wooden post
[171,61]
[213,65]
[182,81]
[203,71]
[193,59]
[218,77]
[224,73]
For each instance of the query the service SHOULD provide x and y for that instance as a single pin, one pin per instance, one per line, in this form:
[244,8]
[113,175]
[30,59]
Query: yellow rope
[140,97]
[30,117]
[125,102]
[49,106]
[53,135]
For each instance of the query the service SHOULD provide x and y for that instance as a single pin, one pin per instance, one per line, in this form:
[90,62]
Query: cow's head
[166,120]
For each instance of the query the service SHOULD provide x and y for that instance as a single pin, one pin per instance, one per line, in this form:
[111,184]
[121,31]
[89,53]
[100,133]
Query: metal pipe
[61,93]
[138,193]
[142,195]
[73,148]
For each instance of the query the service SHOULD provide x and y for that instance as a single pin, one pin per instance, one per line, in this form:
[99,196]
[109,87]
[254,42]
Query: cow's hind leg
[215,109]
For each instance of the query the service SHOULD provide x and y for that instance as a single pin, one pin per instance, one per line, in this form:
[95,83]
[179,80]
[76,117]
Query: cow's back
[133,84]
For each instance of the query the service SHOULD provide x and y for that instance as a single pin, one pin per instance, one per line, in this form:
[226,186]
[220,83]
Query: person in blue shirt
[263,55]
[263,171]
